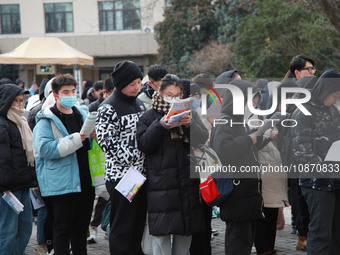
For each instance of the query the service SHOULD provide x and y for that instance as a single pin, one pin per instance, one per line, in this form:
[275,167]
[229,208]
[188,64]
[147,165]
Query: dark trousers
[324,227]
[299,208]
[200,242]
[71,214]
[239,237]
[127,221]
[98,210]
[266,231]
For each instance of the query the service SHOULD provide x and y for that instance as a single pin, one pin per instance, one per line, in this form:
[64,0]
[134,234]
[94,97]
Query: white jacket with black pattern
[116,128]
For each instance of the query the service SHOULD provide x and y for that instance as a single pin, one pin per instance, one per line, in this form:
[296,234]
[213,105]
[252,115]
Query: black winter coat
[314,135]
[235,148]
[172,196]
[15,174]
[93,107]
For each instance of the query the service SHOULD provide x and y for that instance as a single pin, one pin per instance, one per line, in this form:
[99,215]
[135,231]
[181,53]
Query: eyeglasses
[170,97]
[311,70]
[19,101]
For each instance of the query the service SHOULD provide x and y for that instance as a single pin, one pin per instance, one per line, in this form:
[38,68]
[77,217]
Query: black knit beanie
[124,73]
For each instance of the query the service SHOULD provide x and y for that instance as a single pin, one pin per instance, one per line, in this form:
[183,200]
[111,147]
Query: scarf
[16,115]
[163,107]
[148,90]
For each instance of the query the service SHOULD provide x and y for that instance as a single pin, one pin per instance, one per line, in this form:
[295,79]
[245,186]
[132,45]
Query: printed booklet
[131,182]
[179,110]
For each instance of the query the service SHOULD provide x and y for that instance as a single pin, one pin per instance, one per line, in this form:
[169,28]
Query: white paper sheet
[89,123]
[333,153]
[13,202]
[37,201]
[131,182]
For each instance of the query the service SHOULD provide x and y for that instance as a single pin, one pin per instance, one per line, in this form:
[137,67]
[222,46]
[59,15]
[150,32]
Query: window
[119,15]
[167,3]
[9,19]
[58,17]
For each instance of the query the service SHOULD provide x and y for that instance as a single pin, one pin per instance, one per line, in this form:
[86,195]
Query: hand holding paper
[89,123]
[179,110]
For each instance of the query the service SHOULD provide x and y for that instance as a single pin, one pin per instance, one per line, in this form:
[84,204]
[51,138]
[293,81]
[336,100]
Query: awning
[45,50]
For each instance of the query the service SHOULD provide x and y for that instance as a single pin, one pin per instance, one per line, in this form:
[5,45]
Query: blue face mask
[212,100]
[195,104]
[68,101]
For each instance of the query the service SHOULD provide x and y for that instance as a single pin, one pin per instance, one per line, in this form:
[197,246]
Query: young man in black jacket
[116,128]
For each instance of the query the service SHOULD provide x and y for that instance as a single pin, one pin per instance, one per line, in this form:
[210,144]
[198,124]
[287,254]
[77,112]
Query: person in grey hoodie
[313,137]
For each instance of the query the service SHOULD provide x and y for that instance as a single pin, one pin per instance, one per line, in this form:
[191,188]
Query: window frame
[16,16]
[54,14]
[136,12]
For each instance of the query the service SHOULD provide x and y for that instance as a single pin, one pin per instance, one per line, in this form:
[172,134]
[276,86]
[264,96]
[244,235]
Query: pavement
[285,241]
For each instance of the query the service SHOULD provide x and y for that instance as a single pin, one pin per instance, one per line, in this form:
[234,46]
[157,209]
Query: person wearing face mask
[174,209]
[62,167]
[16,171]
[312,138]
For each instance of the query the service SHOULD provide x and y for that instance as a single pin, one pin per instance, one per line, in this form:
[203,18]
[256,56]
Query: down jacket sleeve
[150,132]
[198,132]
[302,142]
[6,174]
[229,145]
[53,146]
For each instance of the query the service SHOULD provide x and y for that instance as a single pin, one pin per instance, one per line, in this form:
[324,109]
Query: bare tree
[213,59]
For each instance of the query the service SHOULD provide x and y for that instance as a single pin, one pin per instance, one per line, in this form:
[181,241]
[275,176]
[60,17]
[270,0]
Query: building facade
[109,31]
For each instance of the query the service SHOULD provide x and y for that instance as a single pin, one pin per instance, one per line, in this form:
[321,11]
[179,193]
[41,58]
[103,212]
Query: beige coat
[274,185]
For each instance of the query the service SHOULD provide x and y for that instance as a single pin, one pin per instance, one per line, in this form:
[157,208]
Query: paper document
[333,153]
[36,199]
[176,118]
[178,107]
[13,202]
[89,123]
[275,119]
[131,182]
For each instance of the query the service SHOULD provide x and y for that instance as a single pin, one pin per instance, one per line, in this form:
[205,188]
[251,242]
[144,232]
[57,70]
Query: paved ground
[285,241]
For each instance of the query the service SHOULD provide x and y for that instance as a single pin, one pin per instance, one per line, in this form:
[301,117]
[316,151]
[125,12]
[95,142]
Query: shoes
[107,232]
[215,212]
[93,235]
[41,249]
[301,243]
[214,232]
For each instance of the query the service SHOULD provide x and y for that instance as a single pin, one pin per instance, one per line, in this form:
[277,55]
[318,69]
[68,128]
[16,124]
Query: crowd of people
[45,154]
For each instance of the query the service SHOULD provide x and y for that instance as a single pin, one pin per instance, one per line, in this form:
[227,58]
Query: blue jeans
[15,229]
[42,214]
